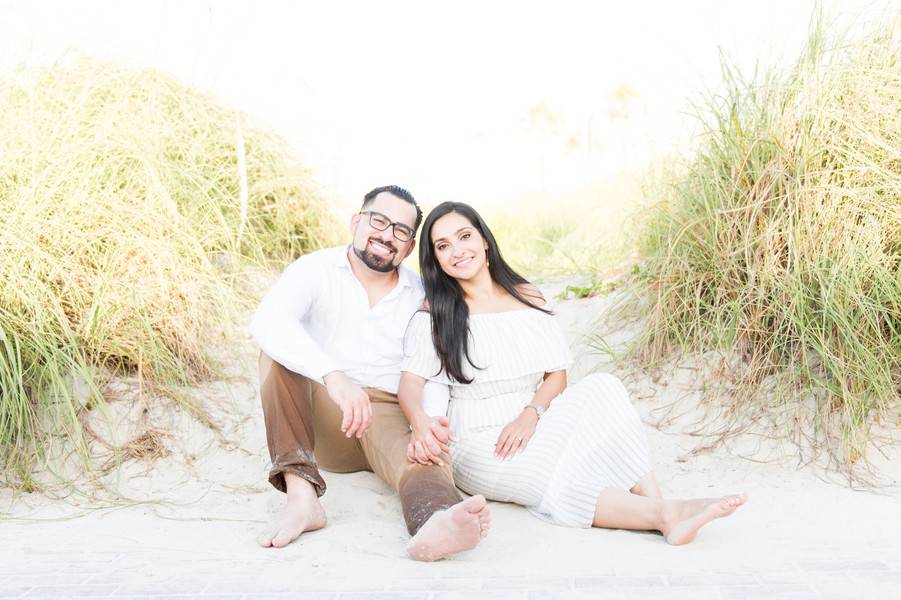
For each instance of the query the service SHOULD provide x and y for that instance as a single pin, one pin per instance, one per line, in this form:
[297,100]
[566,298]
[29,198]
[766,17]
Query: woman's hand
[516,435]
[428,440]
[430,435]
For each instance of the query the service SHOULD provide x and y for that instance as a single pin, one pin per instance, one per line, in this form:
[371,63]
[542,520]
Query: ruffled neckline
[506,313]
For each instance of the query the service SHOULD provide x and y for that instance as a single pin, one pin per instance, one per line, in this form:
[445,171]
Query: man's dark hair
[395,190]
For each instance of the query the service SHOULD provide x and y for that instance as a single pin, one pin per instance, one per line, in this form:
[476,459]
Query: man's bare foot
[447,532]
[302,513]
[697,513]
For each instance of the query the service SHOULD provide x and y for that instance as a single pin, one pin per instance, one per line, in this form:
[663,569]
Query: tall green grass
[130,204]
[779,239]
[590,230]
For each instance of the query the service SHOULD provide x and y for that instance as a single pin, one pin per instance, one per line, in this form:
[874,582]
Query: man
[331,333]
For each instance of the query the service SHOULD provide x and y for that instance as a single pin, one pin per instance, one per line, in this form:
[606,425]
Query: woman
[574,456]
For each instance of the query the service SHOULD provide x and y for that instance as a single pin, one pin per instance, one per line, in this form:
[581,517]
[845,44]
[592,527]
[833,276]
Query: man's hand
[428,440]
[353,402]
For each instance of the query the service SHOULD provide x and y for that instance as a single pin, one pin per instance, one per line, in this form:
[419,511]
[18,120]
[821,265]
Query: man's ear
[353,223]
[410,249]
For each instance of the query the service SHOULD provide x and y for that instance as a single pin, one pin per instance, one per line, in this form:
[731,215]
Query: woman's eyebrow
[456,232]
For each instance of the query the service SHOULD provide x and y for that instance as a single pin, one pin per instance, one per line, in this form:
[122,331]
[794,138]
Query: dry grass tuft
[147,447]
[130,206]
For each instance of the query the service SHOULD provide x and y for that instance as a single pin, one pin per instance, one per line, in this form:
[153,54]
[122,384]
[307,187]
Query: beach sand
[191,529]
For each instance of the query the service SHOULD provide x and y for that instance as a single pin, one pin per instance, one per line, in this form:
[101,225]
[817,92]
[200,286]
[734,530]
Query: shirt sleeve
[419,352]
[559,356]
[278,325]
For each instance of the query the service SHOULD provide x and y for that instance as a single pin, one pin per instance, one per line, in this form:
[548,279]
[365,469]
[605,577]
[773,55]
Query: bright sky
[437,96]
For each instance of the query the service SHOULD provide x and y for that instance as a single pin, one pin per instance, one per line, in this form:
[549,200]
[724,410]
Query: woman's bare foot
[302,513]
[691,515]
[447,532]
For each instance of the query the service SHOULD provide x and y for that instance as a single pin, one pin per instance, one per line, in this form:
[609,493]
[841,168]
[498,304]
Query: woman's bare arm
[424,447]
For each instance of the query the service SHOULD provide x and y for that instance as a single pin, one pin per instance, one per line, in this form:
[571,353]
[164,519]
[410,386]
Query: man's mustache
[389,245]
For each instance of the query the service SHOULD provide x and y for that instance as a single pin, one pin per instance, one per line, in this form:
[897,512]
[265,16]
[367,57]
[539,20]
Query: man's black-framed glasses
[403,233]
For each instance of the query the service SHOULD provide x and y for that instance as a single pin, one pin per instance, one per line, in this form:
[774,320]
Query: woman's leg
[618,509]
[678,520]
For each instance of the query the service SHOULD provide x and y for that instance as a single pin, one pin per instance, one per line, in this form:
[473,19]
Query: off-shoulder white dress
[590,438]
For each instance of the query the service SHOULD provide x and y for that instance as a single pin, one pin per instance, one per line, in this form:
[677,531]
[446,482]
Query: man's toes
[265,538]
[283,538]
[484,528]
[475,504]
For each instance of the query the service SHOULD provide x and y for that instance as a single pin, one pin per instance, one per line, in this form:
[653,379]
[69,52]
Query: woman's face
[458,246]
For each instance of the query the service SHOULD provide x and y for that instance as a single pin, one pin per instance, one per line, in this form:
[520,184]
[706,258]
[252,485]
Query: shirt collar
[341,259]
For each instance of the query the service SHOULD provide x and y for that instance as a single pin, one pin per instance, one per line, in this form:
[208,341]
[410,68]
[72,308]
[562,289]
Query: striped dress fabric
[589,439]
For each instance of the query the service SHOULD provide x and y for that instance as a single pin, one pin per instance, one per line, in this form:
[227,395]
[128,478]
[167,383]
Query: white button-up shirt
[316,319]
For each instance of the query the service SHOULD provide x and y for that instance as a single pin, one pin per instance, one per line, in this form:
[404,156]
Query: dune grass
[130,205]
[779,239]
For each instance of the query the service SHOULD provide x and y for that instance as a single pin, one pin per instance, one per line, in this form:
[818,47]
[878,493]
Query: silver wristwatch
[539,410]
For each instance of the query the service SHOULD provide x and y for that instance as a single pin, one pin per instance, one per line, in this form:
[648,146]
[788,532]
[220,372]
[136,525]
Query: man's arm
[278,326]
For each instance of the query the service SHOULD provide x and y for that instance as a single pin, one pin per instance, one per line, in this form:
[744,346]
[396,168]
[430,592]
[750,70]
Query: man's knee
[279,384]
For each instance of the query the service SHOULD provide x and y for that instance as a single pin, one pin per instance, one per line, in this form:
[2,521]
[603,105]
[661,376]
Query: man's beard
[376,263]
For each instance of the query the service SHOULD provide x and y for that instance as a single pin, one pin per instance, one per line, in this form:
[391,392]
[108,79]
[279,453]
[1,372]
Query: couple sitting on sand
[457,380]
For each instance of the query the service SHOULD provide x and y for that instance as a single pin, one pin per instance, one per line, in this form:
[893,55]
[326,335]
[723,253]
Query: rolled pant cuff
[311,474]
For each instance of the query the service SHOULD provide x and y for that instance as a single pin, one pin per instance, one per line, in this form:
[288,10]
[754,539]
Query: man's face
[381,250]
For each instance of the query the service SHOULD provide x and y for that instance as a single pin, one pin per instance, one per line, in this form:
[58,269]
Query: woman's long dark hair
[448,308]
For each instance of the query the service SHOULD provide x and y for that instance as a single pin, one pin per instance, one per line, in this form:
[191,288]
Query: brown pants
[303,428]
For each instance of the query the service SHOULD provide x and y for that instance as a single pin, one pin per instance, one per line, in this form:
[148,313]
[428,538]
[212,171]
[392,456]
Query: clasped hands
[431,437]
